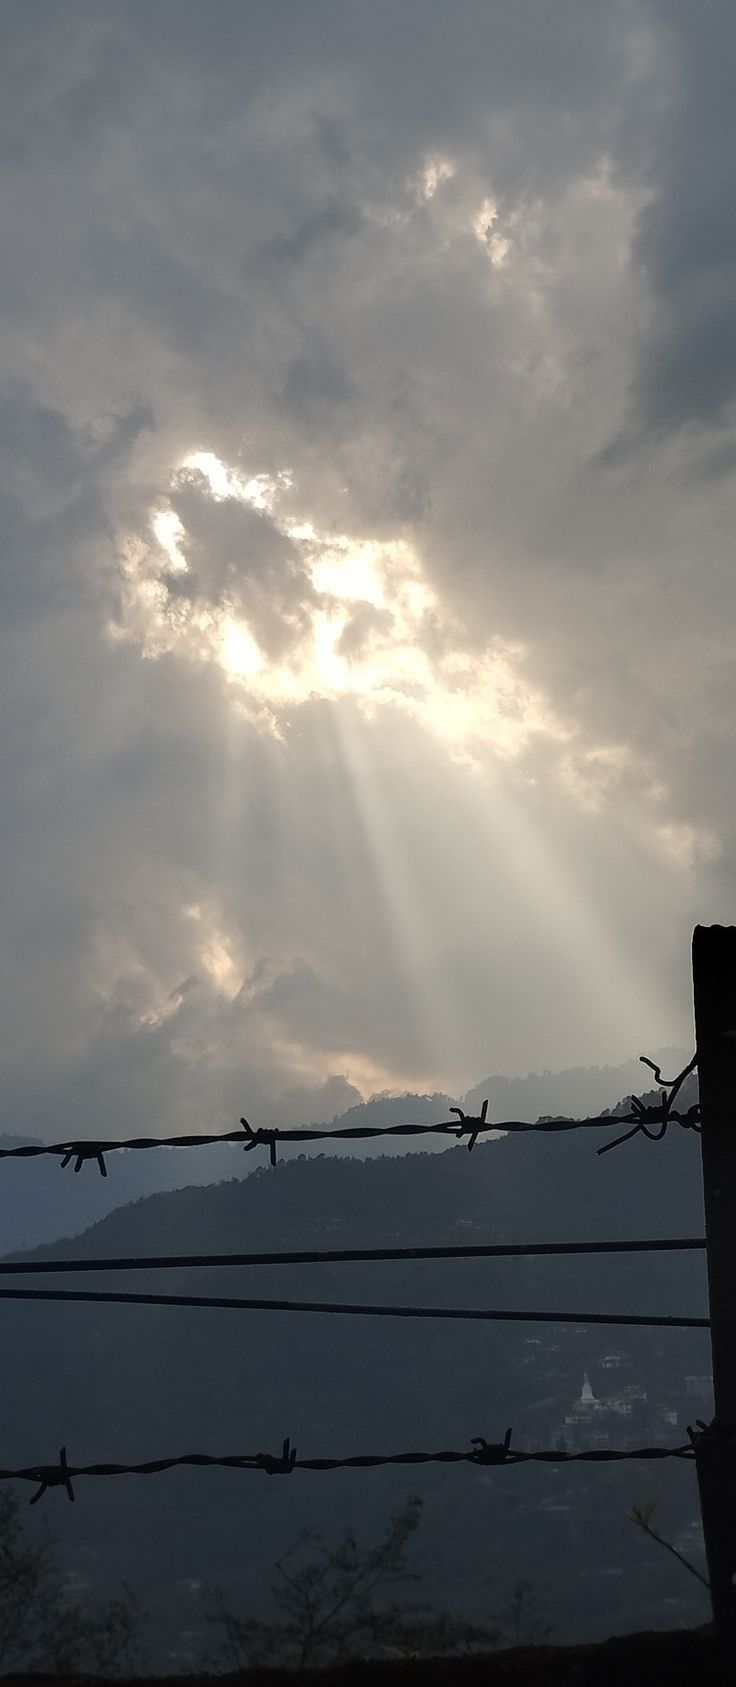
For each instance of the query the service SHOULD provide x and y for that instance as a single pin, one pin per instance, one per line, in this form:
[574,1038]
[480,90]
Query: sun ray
[411,922]
[374,648]
[616,1001]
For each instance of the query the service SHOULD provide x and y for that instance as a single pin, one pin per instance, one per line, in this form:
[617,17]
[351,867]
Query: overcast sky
[367,460]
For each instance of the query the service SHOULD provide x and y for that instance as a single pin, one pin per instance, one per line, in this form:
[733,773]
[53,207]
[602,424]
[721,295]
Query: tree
[41,1627]
[331,1606]
[521,1622]
[642,1516]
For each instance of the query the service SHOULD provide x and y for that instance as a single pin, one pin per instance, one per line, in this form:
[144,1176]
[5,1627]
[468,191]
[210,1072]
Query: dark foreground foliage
[638,1660]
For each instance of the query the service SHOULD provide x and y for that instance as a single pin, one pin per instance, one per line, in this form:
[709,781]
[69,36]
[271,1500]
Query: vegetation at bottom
[42,1627]
[338,1602]
[341,1612]
[333,1603]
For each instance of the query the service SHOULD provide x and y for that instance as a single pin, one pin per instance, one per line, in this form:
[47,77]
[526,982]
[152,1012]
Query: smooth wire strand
[474,1314]
[349,1256]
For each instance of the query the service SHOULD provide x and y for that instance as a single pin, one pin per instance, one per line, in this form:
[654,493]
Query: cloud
[683,372]
[366,721]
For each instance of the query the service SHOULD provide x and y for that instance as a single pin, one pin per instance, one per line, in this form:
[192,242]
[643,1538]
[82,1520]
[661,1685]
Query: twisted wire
[480,1452]
[651,1122]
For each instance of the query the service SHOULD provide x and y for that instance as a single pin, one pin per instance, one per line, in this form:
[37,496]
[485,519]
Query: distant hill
[45,1204]
[579,1092]
[39,1202]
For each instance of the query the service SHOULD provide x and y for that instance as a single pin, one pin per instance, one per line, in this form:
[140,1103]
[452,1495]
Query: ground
[636,1660]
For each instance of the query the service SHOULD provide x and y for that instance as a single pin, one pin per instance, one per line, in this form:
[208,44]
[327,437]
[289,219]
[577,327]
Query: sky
[367,458]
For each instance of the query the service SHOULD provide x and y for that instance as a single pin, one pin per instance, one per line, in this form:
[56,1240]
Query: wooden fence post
[714,988]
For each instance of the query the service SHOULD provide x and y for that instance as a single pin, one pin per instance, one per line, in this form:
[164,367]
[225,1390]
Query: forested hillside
[40,1207]
[136,1383]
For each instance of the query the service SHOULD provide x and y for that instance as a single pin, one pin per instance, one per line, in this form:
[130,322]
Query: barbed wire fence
[712,1447]
[649,1121]
[480,1452]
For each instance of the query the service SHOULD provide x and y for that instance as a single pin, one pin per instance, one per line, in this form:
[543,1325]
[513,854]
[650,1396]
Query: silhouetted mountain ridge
[39,1203]
[132,1383]
[577,1092]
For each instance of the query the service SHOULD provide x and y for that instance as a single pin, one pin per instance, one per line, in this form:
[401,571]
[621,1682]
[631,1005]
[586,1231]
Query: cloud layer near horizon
[366,475]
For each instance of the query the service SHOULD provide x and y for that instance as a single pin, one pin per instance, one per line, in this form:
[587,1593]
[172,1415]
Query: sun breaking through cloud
[366,484]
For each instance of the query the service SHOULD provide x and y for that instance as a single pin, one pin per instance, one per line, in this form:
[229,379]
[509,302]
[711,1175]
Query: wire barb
[283,1465]
[53,1476]
[491,1452]
[672,1084]
[84,1151]
[662,1116]
[469,1126]
[255,1138]
[705,1436]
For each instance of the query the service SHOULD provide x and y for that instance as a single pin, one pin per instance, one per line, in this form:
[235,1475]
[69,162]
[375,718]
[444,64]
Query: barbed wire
[347,1256]
[662,1116]
[651,1122]
[356,1309]
[481,1452]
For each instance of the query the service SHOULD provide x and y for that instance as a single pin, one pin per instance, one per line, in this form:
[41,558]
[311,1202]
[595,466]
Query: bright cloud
[375,630]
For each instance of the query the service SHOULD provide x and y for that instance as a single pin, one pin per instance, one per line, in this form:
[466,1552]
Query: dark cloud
[53,501]
[239,560]
[684,368]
